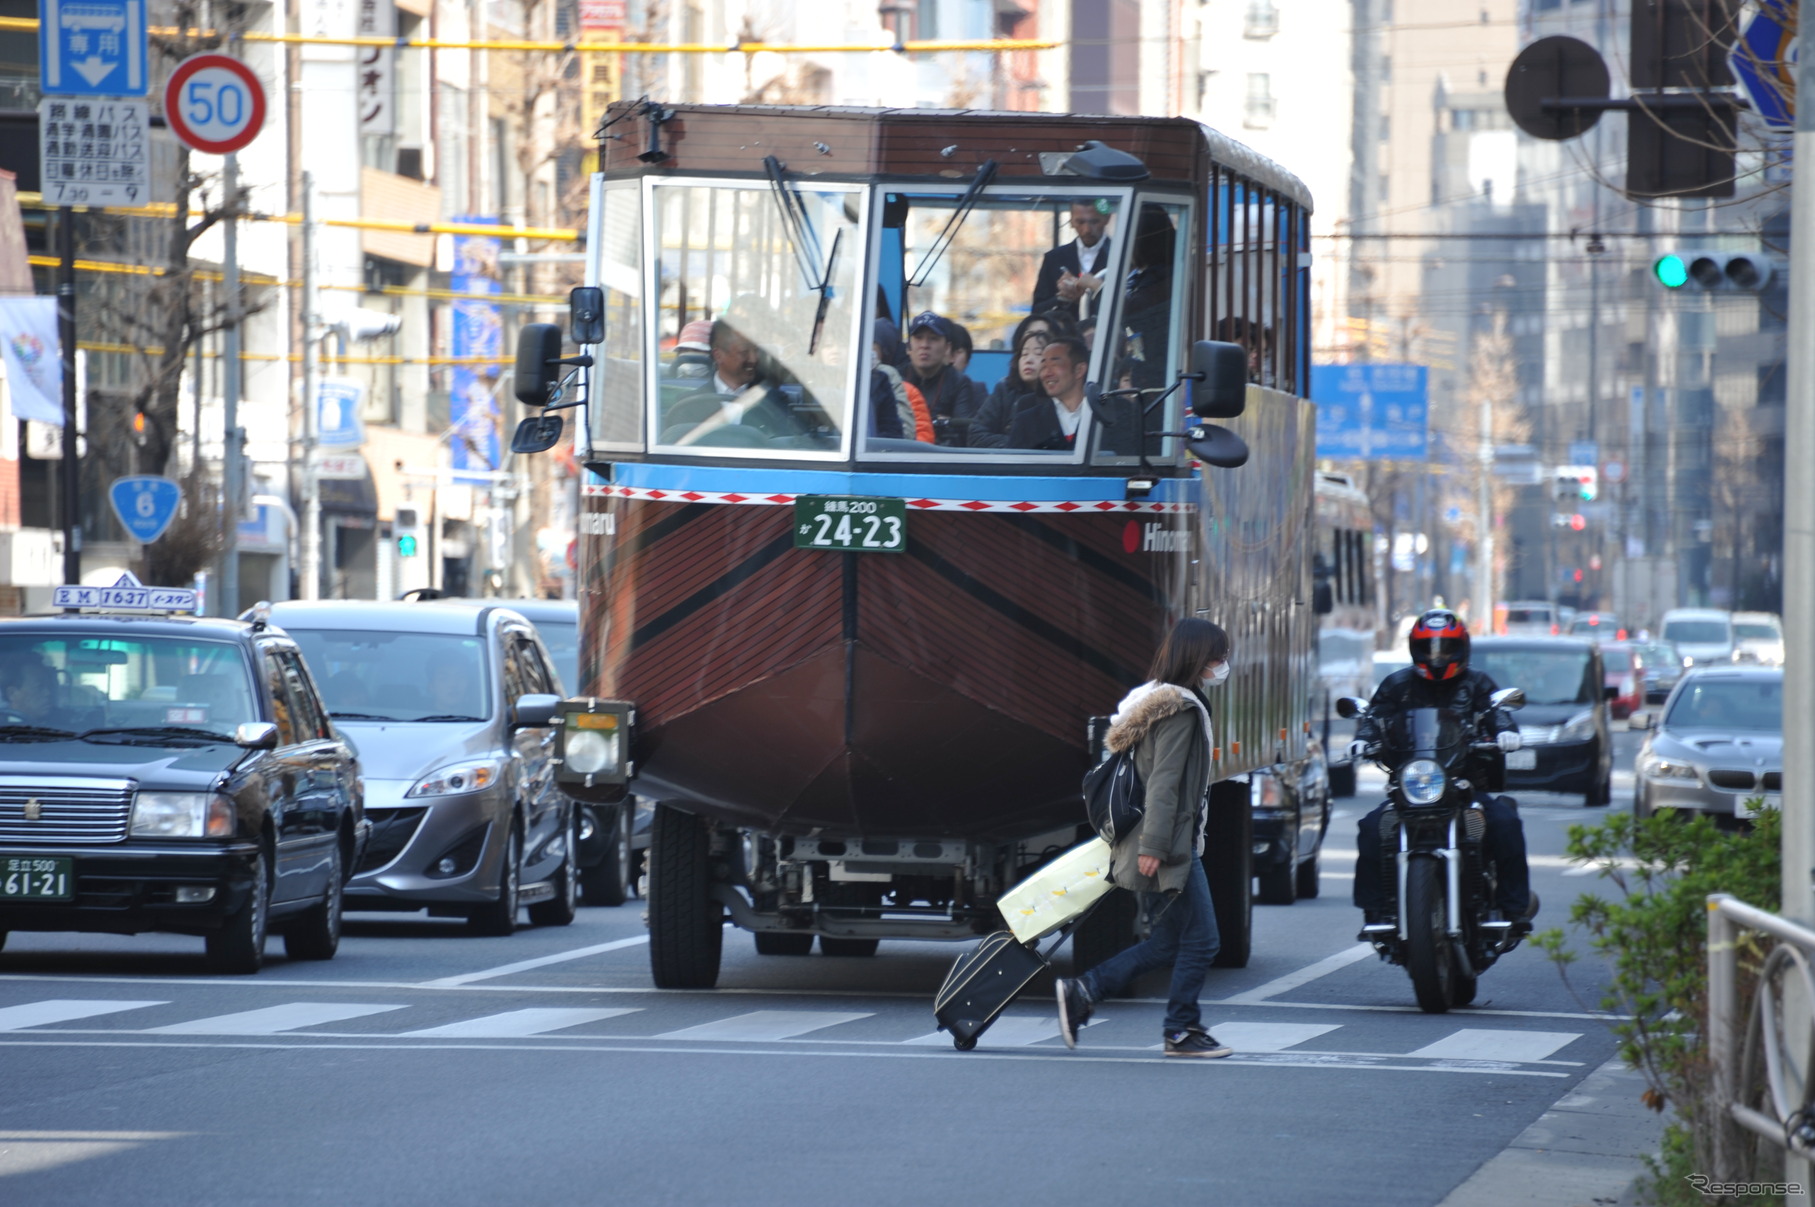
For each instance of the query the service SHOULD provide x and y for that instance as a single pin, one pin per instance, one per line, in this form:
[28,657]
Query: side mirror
[534,710]
[1639,720]
[255,735]
[1216,446]
[586,315]
[1323,599]
[538,348]
[536,434]
[1219,379]
[1508,697]
[1348,707]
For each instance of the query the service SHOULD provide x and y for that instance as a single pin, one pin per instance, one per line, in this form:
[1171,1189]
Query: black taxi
[165,772]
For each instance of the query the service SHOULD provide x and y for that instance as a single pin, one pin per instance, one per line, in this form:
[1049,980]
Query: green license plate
[36,879]
[850,525]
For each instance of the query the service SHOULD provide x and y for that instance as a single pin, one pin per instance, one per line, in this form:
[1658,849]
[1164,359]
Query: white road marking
[560,957]
[1268,1037]
[514,1023]
[760,1025]
[62,1010]
[1498,1045]
[1303,976]
[273,1019]
[1009,1031]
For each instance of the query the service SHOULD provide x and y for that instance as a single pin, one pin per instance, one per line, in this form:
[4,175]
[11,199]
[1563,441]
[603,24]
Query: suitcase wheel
[964,1044]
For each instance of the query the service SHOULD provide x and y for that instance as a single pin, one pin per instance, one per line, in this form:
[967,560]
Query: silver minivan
[452,708]
[1704,636]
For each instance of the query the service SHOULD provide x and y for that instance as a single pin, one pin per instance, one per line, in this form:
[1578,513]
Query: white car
[1704,636]
[1758,637]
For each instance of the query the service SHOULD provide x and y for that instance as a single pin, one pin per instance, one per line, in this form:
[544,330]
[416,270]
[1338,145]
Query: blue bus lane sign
[92,48]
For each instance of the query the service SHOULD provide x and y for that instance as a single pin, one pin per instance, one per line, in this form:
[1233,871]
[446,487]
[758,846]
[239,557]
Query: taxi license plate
[850,525]
[24,879]
[1521,760]
[1749,806]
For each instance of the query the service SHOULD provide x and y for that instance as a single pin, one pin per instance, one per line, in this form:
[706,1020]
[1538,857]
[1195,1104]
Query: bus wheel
[686,926]
[1229,866]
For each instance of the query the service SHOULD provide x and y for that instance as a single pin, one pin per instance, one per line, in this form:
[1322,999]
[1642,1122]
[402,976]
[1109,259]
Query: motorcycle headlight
[456,780]
[1422,782]
[1578,728]
[182,815]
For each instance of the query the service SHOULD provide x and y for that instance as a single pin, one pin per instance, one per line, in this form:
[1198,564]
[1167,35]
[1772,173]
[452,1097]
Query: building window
[1262,20]
[1257,113]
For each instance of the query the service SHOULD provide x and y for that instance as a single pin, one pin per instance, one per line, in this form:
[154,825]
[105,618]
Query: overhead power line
[558,234]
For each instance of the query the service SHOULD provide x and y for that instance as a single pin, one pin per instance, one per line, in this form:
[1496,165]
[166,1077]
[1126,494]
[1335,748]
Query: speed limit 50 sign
[214,103]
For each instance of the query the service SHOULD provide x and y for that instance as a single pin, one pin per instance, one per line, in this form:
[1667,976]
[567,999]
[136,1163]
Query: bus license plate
[850,525]
[36,879]
[1521,760]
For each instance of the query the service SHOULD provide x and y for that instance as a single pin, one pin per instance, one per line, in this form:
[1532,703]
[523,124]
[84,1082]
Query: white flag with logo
[34,361]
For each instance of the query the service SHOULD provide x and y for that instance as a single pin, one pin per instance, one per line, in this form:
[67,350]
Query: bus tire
[1229,866]
[686,926]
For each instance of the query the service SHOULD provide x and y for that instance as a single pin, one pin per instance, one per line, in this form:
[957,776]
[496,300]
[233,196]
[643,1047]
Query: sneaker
[1074,1009]
[1194,1042]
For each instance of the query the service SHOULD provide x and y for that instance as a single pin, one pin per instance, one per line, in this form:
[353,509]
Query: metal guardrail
[1788,1091]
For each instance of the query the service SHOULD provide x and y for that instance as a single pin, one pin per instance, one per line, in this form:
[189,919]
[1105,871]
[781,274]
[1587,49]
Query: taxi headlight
[182,815]
[1422,782]
[456,780]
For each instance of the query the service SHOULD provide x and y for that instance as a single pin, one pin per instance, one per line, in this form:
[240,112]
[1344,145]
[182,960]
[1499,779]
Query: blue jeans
[1184,935]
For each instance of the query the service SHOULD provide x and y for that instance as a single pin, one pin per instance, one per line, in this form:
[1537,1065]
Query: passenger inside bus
[1053,421]
[1072,274]
[951,397]
[990,429]
[1147,302]
[736,397]
[896,408]
[692,357]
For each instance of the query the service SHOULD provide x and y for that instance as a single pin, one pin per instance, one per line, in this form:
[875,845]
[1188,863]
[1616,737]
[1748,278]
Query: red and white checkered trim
[1023,506]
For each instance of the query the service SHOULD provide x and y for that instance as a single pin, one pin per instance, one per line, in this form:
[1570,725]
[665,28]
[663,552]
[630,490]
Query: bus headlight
[595,741]
[1422,782]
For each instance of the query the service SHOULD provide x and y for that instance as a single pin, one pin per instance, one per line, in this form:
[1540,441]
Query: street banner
[34,361]
[478,332]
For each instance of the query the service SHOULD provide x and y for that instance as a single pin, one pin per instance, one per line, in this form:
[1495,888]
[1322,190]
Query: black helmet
[1439,645]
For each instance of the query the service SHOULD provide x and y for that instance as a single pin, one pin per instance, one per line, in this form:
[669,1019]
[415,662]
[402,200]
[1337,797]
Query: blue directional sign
[338,402]
[1371,412]
[145,505]
[92,47]
[1764,59]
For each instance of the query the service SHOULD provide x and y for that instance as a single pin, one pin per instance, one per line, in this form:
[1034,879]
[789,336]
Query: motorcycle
[1448,930]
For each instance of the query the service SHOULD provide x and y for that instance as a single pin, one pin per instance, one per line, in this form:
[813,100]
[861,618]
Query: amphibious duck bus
[855,659]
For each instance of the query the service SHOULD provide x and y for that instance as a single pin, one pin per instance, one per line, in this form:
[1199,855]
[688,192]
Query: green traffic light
[406,546]
[1671,271]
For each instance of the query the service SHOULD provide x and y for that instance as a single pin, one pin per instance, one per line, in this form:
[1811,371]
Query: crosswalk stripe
[1009,1031]
[273,1019]
[1471,1044]
[516,1023]
[1268,1037]
[761,1025]
[62,1010]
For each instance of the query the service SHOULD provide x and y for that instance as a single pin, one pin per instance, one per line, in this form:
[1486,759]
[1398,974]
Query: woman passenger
[1023,378]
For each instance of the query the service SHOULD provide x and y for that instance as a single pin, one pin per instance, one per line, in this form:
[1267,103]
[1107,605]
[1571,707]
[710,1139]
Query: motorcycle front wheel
[1429,957]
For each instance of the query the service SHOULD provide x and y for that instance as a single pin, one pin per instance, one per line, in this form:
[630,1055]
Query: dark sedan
[167,773]
[1568,746]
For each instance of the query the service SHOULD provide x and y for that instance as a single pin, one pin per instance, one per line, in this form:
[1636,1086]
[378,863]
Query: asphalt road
[424,1065]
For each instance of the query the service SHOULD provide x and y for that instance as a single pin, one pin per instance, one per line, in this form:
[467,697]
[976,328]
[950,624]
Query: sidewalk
[1584,1151]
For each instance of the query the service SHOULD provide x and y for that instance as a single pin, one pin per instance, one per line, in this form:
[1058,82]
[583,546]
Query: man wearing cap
[951,397]
[1072,274]
[692,352]
[734,397]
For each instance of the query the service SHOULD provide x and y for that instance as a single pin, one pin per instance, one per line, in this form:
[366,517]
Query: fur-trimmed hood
[1145,707]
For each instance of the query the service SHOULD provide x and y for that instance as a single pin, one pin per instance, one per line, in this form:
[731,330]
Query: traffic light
[1717,271]
[1573,482]
[407,526]
[1571,520]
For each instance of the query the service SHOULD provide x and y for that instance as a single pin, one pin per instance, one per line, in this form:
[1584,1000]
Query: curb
[1585,1151]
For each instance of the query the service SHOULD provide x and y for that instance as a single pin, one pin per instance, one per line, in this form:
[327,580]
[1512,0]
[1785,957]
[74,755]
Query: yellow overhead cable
[296,358]
[915,47]
[165,209]
[258,278]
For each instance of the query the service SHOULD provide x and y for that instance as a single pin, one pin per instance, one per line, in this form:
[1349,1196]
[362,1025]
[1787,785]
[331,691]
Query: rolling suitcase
[985,980]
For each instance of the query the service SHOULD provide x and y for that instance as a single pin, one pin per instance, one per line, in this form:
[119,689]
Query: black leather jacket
[1466,696]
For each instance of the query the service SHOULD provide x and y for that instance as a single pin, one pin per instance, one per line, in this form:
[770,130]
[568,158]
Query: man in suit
[1072,274]
[733,398]
[1057,423]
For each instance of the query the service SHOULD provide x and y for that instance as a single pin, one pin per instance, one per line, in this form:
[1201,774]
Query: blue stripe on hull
[650,475]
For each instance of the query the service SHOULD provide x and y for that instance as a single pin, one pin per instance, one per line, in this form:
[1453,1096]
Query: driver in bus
[735,396]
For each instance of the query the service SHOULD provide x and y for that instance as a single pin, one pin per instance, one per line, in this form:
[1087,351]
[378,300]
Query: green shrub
[1653,935]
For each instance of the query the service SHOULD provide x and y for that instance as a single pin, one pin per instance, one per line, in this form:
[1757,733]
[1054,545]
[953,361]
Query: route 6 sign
[145,505]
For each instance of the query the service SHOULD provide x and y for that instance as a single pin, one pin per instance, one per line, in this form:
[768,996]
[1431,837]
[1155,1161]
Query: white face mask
[1217,674]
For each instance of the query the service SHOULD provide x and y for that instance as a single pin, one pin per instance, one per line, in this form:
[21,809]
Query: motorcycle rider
[1441,678]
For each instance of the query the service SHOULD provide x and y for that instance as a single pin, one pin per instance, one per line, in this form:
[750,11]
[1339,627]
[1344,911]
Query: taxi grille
[67,811]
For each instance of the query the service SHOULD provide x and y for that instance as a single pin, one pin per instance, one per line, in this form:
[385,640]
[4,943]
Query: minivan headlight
[456,780]
[182,815]
[1422,781]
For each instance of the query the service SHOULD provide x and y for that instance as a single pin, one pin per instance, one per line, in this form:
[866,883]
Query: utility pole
[233,440]
[309,574]
[66,337]
[1484,537]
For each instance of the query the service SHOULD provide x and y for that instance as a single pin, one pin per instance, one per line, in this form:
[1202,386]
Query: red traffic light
[1577,522]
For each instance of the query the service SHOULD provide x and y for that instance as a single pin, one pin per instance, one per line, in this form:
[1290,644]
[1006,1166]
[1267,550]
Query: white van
[1758,637]
[1704,636]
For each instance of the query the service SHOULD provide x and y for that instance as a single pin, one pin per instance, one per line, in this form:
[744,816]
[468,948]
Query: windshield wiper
[447,716]
[359,716]
[158,731]
[32,733]
[803,239]
[965,205]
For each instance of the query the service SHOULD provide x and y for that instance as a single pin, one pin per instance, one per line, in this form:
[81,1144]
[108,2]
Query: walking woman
[1166,722]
